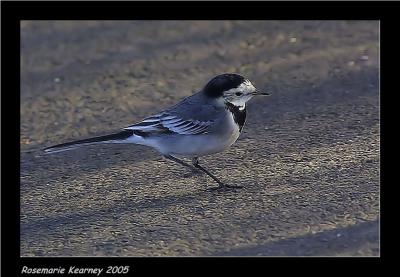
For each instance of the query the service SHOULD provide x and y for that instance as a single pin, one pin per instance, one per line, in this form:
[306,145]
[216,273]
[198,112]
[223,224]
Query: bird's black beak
[257,92]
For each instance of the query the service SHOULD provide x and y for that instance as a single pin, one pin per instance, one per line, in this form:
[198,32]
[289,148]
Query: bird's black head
[224,82]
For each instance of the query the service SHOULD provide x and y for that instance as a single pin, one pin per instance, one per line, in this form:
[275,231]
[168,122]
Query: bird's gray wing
[168,123]
[189,117]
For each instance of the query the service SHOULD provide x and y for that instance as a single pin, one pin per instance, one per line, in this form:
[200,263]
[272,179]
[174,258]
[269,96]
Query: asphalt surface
[308,158]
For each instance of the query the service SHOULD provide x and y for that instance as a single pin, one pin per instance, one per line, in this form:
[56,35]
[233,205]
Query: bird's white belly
[203,145]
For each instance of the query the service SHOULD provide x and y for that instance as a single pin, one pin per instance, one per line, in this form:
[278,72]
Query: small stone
[292,40]
[57,80]
[160,83]
[26,141]
[221,52]
[364,57]
[243,44]
[351,63]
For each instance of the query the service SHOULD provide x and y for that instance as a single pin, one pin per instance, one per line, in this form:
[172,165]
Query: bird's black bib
[239,116]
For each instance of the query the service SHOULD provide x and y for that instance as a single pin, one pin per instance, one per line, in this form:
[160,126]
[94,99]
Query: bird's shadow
[56,223]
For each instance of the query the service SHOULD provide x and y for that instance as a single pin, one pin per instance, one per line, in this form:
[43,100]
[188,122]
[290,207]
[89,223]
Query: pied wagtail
[204,123]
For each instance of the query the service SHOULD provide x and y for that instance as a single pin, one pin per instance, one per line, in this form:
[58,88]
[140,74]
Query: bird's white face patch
[240,95]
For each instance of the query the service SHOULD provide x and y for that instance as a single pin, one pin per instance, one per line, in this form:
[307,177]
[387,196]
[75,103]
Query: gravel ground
[308,158]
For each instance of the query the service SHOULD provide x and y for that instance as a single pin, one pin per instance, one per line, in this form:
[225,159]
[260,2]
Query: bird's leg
[172,158]
[195,162]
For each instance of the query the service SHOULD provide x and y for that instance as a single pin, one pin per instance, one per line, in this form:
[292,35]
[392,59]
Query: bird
[207,122]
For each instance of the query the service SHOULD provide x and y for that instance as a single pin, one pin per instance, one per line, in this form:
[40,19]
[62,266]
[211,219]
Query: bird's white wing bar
[154,118]
[161,122]
[148,124]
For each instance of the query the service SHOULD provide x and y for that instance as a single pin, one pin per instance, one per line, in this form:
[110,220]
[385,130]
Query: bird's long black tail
[112,138]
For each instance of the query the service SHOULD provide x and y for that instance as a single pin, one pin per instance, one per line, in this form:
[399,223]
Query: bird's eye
[238,93]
